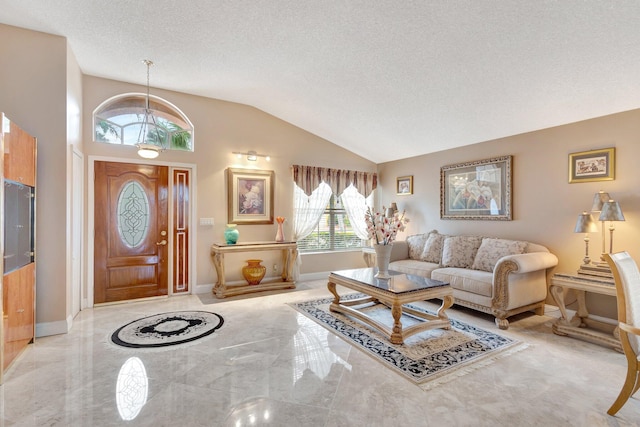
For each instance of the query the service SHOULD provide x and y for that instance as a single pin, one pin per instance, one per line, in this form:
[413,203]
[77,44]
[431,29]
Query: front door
[131,231]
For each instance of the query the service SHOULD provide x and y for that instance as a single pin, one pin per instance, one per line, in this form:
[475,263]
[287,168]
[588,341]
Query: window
[333,231]
[119,121]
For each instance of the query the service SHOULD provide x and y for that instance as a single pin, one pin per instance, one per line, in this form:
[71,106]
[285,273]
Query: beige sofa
[496,276]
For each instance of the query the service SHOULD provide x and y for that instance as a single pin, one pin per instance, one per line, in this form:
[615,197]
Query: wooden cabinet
[19,156]
[18,311]
[17,230]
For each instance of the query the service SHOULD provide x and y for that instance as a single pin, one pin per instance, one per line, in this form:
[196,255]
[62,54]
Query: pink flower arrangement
[383,228]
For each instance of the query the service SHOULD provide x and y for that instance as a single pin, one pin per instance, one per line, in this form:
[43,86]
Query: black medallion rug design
[161,330]
[428,358]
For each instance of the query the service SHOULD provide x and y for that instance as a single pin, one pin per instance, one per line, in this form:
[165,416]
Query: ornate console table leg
[220,287]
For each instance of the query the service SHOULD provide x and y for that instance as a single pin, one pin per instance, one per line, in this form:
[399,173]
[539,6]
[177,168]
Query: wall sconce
[586,225]
[611,212]
[252,155]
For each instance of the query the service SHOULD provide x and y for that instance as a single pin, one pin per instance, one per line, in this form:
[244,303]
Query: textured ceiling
[386,79]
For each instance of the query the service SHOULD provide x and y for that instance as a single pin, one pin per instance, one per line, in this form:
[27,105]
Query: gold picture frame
[404,185]
[250,196]
[592,165]
[479,189]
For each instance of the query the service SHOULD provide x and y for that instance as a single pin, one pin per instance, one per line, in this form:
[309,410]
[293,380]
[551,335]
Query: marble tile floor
[269,365]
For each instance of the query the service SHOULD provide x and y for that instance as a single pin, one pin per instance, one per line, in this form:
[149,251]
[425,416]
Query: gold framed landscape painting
[404,185]
[593,165]
[250,194]
[480,189]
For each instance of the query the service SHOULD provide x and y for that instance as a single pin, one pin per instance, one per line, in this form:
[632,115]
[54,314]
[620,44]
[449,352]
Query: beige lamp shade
[611,211]
[392,209]
[599,199]
[585,223]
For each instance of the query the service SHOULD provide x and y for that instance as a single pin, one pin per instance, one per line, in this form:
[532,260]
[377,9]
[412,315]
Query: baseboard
[52,328]
[205,288]
[314,276]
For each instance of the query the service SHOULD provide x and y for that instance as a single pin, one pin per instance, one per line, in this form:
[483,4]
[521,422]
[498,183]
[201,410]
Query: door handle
[162,242]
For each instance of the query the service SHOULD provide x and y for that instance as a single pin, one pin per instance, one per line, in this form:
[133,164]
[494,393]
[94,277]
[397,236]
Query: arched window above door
[120,120]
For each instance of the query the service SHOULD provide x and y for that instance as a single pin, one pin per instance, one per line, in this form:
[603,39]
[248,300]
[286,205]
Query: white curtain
[355,206]
[307,211]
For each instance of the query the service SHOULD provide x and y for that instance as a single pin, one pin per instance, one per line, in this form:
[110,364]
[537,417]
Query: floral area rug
[167,329]
[428,358]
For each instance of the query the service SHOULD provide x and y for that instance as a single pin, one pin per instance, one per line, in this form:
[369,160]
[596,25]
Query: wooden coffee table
[394,292]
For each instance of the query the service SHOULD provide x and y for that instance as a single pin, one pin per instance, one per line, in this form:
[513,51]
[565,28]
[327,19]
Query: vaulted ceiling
[386,79]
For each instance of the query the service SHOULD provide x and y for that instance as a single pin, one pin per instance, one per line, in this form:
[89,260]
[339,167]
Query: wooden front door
[131,231]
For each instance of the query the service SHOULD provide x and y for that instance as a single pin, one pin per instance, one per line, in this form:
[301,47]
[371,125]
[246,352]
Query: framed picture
[477,190]
[250,194]
[594,165]
[404,185]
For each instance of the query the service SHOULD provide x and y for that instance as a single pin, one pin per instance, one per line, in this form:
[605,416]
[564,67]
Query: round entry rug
[161,330]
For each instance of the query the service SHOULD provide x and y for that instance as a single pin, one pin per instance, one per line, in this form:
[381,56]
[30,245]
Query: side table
[581,325]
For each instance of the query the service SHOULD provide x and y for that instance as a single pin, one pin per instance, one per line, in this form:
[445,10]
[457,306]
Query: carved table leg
[447,302]
[396,312]
[336,300]
[582,312]
[220,287]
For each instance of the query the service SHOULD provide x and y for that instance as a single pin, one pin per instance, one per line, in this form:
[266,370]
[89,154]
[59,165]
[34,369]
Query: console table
[581,325]
[286,281]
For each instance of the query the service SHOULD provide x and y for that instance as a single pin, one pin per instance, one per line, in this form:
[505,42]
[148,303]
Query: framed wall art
[478,190]
[404,185]
[594,165]
[250,194]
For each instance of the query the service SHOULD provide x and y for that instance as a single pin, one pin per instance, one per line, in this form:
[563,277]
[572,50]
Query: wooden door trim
[91,159]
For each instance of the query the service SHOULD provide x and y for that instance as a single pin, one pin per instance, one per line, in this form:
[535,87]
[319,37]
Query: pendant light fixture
[150,140]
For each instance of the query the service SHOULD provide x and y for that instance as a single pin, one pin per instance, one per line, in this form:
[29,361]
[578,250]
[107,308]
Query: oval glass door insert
[133,214]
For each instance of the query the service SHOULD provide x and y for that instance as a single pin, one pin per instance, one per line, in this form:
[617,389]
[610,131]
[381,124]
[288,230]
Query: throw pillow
[491,250]
[460,251]
[433,248]
[416,245]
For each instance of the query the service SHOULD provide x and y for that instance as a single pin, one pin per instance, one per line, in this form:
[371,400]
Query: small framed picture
[594,165]
[404,185]
[250,195]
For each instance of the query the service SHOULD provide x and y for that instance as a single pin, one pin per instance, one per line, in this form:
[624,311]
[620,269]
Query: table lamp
[585,224]
[392,209]
[611,212]
[599,199]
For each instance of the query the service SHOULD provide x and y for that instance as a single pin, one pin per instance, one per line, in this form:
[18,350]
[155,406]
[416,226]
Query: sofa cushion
[491,250]
[460,251]
[416,244]
[411,266]
[474,281]
[432,251]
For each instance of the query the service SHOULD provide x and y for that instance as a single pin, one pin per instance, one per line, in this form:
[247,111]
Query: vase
[231,234]
[280,233]
[254,272]
[383,255]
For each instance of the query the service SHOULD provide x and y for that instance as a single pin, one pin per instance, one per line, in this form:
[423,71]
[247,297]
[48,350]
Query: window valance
[308,178]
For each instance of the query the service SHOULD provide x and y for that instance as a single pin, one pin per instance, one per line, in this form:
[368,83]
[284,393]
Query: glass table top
[398,283]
